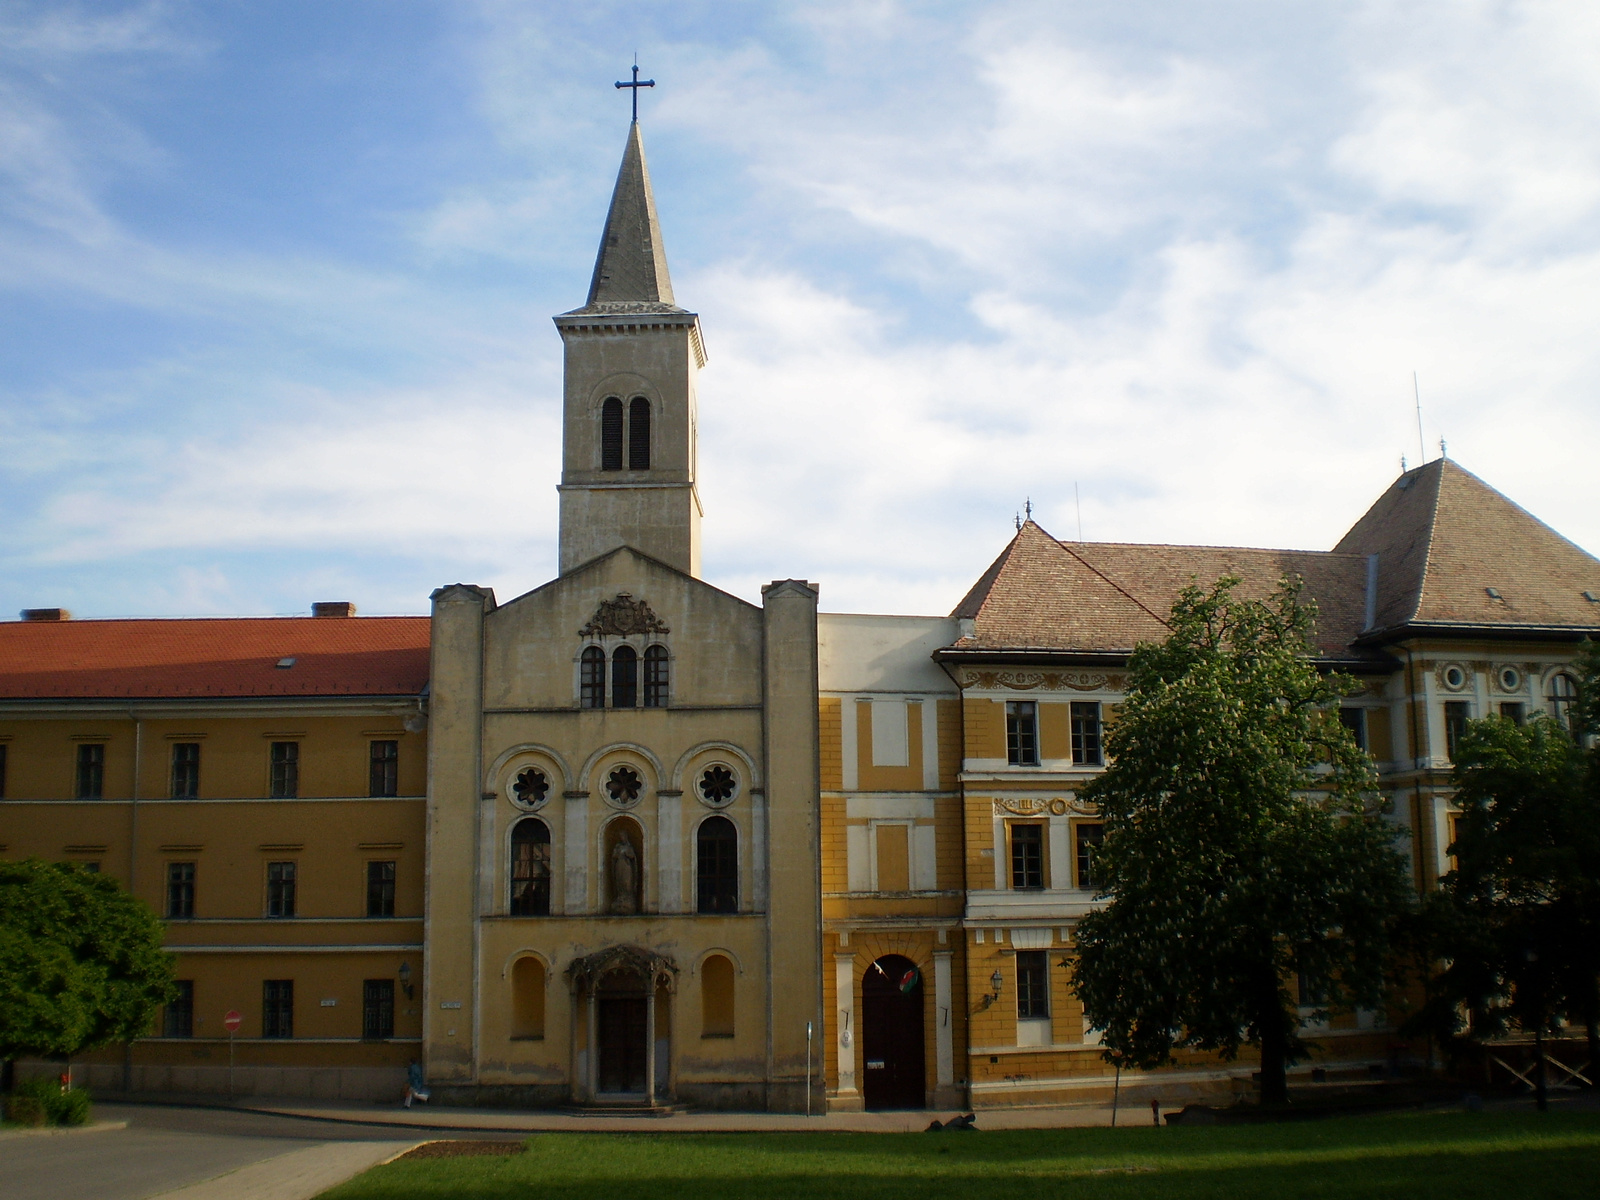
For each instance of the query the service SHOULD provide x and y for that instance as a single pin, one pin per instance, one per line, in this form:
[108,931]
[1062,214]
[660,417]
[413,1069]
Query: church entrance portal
[623,1052]
[891,1034]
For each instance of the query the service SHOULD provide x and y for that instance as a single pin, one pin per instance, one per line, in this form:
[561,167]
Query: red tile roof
[232,656]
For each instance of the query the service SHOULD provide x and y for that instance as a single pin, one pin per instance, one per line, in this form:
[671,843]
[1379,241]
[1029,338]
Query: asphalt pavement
[166,1148]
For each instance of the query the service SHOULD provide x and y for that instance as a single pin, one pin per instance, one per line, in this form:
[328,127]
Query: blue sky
[276,280]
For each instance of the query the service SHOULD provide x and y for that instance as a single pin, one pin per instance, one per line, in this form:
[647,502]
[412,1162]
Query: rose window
[531,787]
[717,784]
[623,785]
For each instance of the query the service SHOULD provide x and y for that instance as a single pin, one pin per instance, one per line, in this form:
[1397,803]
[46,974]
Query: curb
[53,1130]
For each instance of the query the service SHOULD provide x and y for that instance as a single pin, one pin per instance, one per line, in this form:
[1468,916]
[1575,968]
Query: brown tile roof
[1443,537]
[1110,596]
[183,659]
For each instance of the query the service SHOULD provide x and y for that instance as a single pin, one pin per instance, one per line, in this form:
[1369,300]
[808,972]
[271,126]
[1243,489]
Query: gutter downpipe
[133,861]
[1419,876]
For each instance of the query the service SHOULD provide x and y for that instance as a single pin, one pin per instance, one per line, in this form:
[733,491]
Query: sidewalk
[427,1119]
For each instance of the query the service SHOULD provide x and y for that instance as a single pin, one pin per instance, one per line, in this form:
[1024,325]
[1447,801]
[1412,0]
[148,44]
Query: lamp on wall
[996,981]
[405,980]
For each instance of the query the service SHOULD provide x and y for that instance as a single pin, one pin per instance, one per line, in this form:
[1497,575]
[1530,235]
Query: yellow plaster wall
[984,723]
[888,779]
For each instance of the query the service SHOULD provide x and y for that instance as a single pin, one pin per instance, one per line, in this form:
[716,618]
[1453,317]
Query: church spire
[630,272]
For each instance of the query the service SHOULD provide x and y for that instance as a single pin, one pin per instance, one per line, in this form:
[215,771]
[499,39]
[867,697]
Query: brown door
[622,1044]
[891,1034]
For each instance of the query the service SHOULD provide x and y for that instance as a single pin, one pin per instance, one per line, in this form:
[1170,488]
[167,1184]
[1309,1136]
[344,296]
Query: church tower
[628,457]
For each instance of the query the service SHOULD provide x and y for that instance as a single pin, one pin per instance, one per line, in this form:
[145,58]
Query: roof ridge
[1433,530]
[1165,624]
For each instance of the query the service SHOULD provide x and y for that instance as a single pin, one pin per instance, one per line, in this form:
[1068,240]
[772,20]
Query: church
[627,839]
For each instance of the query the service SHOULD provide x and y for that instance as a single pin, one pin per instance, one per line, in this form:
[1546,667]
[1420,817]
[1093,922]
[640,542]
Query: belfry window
[530,868]
[655,677]
[592,678]
[611,435]
[639,434]
[624,677]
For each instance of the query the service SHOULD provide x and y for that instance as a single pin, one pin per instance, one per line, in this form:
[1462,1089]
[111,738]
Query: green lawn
[1414,1156]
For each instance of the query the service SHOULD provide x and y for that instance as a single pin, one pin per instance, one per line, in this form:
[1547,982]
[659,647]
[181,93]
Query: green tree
[1245,844]
[81,963]
[1516,922]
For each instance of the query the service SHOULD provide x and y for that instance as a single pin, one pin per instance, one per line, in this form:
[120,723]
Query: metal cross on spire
[635,86]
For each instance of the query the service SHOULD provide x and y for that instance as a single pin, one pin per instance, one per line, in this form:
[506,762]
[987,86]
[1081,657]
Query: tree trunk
[1274,1057]
[1593,1024]
[8,1076]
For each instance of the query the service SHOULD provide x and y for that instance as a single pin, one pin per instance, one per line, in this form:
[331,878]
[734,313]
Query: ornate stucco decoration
[635,963]
[623,617]
[1042,681]
[1057,806]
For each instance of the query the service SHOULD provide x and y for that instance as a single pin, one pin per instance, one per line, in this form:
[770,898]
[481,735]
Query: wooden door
[891,1035]
[621,1022]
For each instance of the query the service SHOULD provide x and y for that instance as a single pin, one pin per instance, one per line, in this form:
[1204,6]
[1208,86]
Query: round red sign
[231,1020]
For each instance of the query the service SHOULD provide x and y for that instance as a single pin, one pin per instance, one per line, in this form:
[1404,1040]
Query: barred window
[185,770]
[655,677]
[1086,733]
[624,677]
[639,434]
[530,868]
[91,770]
[1022,733]
[380,889]
[383,768]
[1027,855]
[377,1009]
[277,1008]
[611,434]
[178,1019]
[592,678]
[280,889]
[1033,984]
[180,890]
[285,774]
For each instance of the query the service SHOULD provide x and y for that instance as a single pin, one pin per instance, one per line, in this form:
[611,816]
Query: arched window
[592,678]
[530,868]
[639,434]
[655,677]
[611,434]
[717,866]
[624,677]
[716,997]
[1563,698]
[527,999]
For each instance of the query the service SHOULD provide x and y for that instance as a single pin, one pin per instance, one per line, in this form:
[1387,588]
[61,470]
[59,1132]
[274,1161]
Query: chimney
[46,614]
[333,608]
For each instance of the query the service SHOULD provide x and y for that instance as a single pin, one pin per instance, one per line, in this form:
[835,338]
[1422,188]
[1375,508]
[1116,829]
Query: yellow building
[627,839]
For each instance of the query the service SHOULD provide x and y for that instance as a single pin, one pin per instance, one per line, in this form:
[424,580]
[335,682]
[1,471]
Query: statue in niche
[624,876]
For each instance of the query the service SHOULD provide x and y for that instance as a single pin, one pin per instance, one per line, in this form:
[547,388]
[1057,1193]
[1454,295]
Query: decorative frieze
[1035,806]
[1041,681]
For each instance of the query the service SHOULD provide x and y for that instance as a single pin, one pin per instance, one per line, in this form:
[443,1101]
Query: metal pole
[808,1068]
[230,1064]
[1116,1095]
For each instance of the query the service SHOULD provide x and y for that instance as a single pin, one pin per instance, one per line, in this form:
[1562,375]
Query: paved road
[162,1149]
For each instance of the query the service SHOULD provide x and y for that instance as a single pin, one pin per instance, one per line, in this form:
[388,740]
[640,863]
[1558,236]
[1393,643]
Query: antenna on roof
[1422,445]
[1078,504]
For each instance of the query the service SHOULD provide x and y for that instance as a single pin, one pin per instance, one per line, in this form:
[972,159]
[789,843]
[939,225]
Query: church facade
[628,839]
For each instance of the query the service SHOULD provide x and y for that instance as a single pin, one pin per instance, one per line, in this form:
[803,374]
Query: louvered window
[639,434]
[611,435]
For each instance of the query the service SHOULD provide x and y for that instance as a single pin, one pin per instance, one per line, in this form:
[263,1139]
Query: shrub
[22,1109]
[43,1101]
